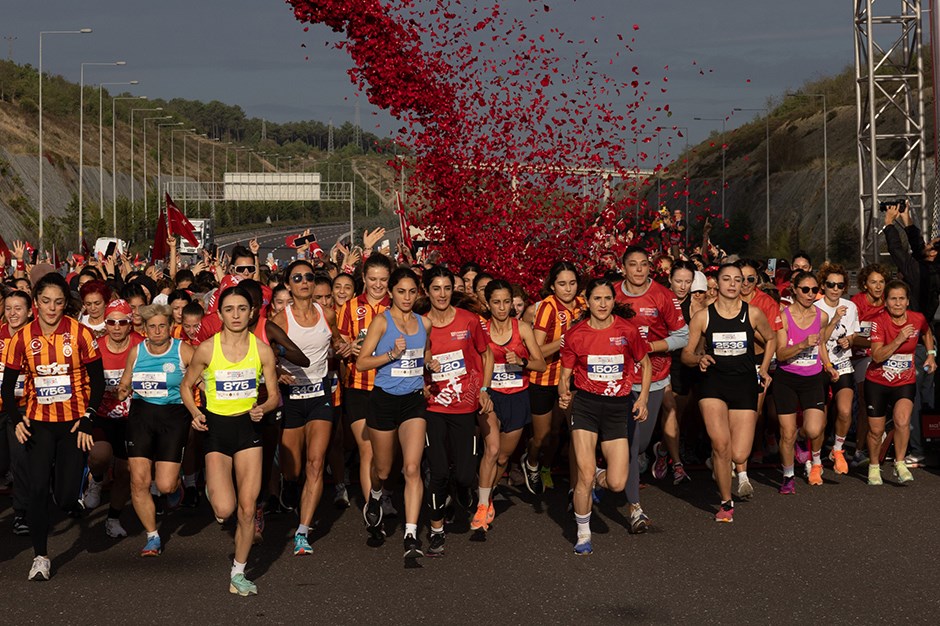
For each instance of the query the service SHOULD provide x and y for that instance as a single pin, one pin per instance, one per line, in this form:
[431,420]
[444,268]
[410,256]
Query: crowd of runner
[255,388]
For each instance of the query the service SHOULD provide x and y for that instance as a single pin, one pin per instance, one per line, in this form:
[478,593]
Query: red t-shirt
[657,314]
[113,363]
[866,313]
[508,378]
[5,337]
[898,369]
[210,325]
[769,307]
[458,347]
[604,361]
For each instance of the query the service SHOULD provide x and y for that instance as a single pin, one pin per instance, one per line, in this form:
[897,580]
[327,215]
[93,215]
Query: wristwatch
[486,389]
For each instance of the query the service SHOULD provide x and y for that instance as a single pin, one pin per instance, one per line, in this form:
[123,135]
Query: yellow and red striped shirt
[57,384]
[353,321]
[553,318]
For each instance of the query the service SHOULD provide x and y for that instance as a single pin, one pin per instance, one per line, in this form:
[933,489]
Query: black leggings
[52,445]
[451,439]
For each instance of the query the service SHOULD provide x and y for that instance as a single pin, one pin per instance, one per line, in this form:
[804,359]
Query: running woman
[659,319]
[606,355]
[800,382]
[890,379]
[95,295]
[64,381]
[458,393]
[110,449]
[231,365]
[17,311]
[397,346]
[157,424]
[515,351]
[553,316]
[870,301]
[843,326]
[721,345]
[307,425]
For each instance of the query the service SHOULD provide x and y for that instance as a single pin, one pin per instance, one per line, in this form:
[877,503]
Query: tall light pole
[766,112]
[825,165]
[723,121]
[687,183]
[159,161]
[101,142]
[114,159]
[147,182]
[133,181]
[83,31]
[173,147]
[81,148]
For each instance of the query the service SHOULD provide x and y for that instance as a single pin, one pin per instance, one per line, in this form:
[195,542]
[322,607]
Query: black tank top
[730,342]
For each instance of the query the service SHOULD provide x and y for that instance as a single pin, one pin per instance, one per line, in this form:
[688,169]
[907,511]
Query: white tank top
[315,343]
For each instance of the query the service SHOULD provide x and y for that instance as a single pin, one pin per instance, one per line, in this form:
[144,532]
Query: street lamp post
[114,160]
[687,183]
[825,165]
[147,182]
[81,147]
[82,31]
[159,161]
[766,112]
[723,121]
[173,147]
[133,181]
[101,142]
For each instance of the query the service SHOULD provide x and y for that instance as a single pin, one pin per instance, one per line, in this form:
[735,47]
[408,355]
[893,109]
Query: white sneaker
[745,489]
[388,509]
[40,569]
[341,497]
[113,528]
[92,496]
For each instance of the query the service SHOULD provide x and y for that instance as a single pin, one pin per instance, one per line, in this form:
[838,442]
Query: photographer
[919,269]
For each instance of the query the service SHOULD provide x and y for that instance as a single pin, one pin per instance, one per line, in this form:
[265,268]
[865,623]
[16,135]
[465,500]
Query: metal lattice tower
[889,96]
[329,138]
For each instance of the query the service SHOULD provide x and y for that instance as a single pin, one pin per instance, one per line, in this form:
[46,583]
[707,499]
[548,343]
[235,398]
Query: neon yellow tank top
[232,388]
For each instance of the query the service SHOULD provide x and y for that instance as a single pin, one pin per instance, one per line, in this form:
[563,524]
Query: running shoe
[571,500]
[412,547]
[388,509]
[788,486]
[289,496]
[800,454]
[725,513]
[859,459]
[490,514]
[914,460]
[241,586]
[547,481]
[175,500]
[902,473]
[874,475]
[435,544]
[643,462]
[159,505]
[341,497]
[190,497]
[40,569]
[596,494]
[679,475]
[479,518]
[815,474]
[113,528]
[840,465]
[154,547]
[745,489]
[301,545]
[661,464]
[639,521]
[583,547]
[533,479]
[450,511]
[20,527]
[372,514]
[92,497]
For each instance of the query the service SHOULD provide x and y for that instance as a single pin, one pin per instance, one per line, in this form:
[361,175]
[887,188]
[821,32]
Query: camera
[901,203]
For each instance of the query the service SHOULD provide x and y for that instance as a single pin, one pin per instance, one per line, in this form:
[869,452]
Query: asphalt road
[843,552]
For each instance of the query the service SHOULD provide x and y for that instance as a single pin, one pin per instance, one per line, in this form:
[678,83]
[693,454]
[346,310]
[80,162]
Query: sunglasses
[751,279]
[833,285]
[813,290]
[299,278]
[123,322]
[241,269]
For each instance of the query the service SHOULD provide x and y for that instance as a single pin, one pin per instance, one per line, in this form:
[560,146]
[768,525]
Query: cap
[118,306]
[699,282]
[228,281]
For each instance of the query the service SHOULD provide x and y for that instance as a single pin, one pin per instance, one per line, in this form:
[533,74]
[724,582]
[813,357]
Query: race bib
[453,366]
[844,367]
[605,367]
[235,384]
[51,389]
[897,364]
[149,384]
[304,392]
[806,358]
[410,364]
[20,382]
[112,379]
[506,376]
[864,330]
[729,344]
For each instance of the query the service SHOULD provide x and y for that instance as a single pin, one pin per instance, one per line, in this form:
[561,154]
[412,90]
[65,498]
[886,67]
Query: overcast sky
[248,52]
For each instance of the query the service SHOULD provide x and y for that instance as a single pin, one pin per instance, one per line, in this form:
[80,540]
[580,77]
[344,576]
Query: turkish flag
[160,249]
[4,250]
[179,225]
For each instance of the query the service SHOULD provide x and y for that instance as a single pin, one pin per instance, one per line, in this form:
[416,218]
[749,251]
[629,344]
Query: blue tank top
[157,378]
[404,375]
